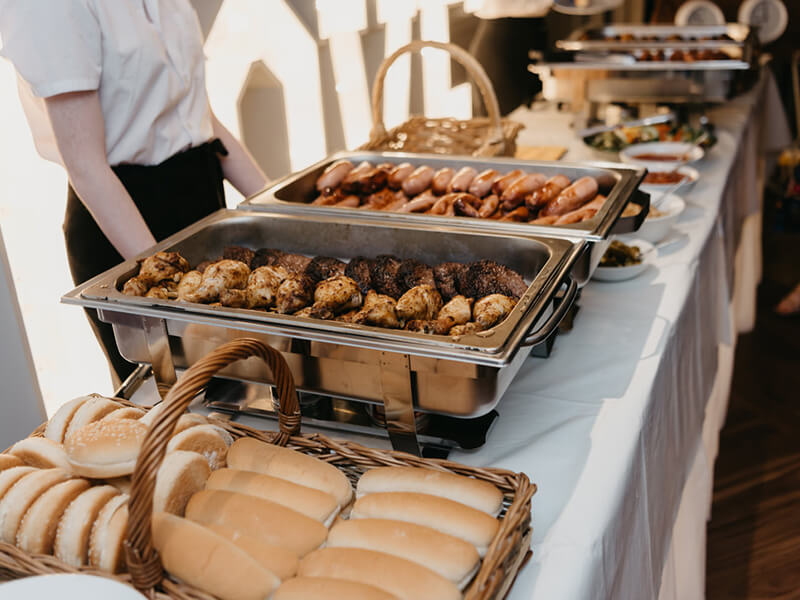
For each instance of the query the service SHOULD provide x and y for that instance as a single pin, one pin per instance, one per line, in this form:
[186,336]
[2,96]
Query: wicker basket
[480,136]
[505,555]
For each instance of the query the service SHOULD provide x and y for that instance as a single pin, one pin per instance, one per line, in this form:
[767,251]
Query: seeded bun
[107,535]
[125,412]
[93,409]
[327,588]
[72,535]
[21,496]
[37,531]
[280,561]
[180,476]
[41,453]
[56,427]
[203,439]
[7,461]
[106,448]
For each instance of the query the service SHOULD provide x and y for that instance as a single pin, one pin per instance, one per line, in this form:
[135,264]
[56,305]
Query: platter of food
[621,36]
[617,140]
[662,156]
[656,183]
[623,261]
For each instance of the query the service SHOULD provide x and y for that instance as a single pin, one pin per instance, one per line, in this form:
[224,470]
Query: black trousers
[170,196]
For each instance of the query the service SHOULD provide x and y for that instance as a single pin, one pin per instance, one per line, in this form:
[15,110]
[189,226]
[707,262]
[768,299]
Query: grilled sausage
[441,180]
[544,220]
[520,213]
[351,181]
[461,180]
[500,185]
[348,202]
[519,188]
[489,206]
[540,197]
[575,196]
[587,211]
[398,174]
[482,184]
[465,204]
[418,181]
[442,204]
[333,175]
[421,203]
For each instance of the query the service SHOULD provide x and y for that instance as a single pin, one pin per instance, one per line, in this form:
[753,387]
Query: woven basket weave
[480,136]
[498,569]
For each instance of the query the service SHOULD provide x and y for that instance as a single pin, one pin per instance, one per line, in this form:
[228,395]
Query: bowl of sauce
[661,156]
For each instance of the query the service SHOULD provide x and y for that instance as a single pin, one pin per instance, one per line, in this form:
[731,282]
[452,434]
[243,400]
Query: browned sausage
[461,180]
[464,205]
[520,213]
[482,184]
[400,200]
[348,202]
[554,186]
[489,206]
[519,188]
[419,204]
[442,204]
[333,175]
[499,186]
[575,196]
[587,211]
[441,180]
[379,199]
[419,180]
[544,220]
[351,181]
[398,174]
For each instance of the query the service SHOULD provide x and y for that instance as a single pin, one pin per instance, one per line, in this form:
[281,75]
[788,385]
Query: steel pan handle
[541,334]
[631,224]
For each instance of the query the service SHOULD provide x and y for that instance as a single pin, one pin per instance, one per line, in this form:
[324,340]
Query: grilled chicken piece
[223,275]
[465,329]
[239,253]
[337,294]
[413,273]
[263,284]
[347,317]
[162,266]
[440,326]
[312,312]
[294,293]
[157,292]
[135,286]
[420,302]
[324,267]
[446,276]
[492,309]
[383,273]
[358,269]
[379,310]
[233,298]
[486,277]
[459,309]
[188,286]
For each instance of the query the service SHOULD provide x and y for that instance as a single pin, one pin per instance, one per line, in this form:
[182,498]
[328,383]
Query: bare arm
[80,135]
[239,167]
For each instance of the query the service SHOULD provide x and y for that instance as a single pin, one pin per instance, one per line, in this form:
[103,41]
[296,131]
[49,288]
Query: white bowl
[648,252]
[672,150]
[68,587]
[655,229]
[656,189]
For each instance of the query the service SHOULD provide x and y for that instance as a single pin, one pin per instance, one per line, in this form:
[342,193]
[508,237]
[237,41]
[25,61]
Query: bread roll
[181,475]
[56,427]
[95,408]
[452,518]
[152,414]
[123,484]
[397,576]
[105,448]
[41,453]
[466,490]
[327,588]
[248,454]
[449,556]
[125,412]
[274,559]
[7,461]
[37,531]
[23,493]
[189,420]
[72,535]
[198,556]
[203,439]
[266,521]
[313,503]
[10,476]
[107,535]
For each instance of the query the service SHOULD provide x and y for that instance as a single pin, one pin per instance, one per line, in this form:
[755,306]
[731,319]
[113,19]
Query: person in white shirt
[115,91]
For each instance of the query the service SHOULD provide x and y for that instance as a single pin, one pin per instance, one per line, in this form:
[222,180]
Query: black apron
[170,196]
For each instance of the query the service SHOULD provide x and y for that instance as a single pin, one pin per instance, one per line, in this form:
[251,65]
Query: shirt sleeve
[55,46]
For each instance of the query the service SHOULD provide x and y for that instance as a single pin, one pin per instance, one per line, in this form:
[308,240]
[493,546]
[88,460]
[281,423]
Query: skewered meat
[399,174]
[294,263]
[462,180]
[446,276]
[378,310]
[294,293]
[418,181]
[440,326]
[459,309]
[135,286]
[239,253]
[323,267]
[333,175]
[188,286]
[358,269]
[420,302]
[337,294]
[486,277]
[263,284]
[441,179]
[233,298]
[492,309]
[413,273]
[161,266]
[383,272]
[482,184]
[265,256]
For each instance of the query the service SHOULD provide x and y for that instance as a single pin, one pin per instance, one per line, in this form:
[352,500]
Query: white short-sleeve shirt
[144,57]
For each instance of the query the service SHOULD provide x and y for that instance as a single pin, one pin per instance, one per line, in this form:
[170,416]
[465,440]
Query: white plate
[655,229]
[67,587]
[629,154]
[623,273]
[699,12]
[656,189]
[770,16]
[585,7]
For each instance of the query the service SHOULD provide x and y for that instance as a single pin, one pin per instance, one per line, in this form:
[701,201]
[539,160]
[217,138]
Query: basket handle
[143,561]
[463,57]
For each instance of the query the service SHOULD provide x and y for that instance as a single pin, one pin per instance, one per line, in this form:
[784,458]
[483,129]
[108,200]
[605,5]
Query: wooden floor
[754,533]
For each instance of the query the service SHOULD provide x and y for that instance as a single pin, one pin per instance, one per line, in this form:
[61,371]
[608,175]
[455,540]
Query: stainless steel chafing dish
[405,371]
[292,195]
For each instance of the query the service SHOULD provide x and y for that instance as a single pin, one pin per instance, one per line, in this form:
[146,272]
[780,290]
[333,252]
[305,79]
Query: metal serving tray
[459,377]
[292,195]
[740,35]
